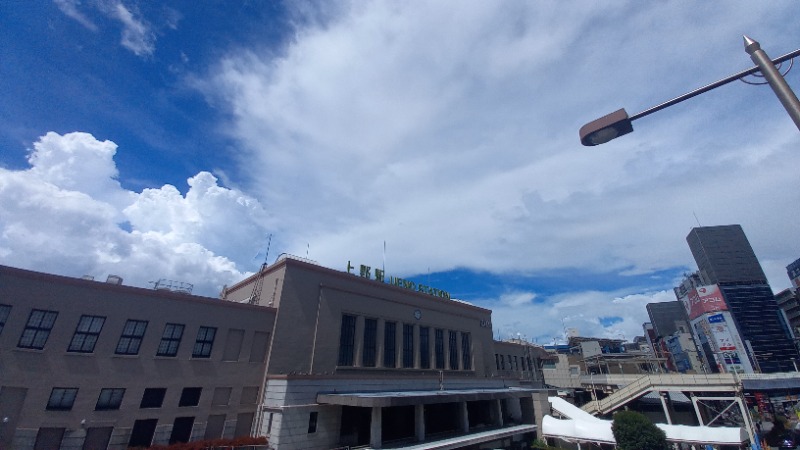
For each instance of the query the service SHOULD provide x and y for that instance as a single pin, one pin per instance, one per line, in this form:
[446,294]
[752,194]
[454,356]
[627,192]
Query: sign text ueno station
[367,272]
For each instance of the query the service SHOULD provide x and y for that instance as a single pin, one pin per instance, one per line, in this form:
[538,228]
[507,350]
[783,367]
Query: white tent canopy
[584,427]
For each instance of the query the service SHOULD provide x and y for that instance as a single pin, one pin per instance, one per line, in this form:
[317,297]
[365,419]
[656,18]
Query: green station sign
[378,275]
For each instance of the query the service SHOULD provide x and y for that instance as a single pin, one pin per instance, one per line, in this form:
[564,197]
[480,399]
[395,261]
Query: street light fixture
[618,123]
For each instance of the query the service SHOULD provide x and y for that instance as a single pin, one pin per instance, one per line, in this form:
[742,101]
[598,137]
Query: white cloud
[64,215]
[137,34]
[451,133]
[547,319]
[70,9]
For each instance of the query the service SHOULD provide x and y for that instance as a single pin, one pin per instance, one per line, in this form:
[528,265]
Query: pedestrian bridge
[632,387]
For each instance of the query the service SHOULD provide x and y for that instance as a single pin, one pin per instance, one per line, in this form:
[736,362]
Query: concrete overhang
[406,398]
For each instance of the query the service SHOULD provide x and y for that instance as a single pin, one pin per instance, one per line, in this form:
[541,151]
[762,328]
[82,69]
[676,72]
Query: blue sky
[169,139]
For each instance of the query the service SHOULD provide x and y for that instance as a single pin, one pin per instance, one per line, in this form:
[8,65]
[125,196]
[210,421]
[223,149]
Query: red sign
[702,300]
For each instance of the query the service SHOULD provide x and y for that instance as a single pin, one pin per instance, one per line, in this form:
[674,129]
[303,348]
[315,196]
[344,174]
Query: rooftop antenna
[383,267]
[695,218]
[255,296]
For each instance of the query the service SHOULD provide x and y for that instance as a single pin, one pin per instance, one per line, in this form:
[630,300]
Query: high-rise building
[667,318]
[726,259]
[793,270]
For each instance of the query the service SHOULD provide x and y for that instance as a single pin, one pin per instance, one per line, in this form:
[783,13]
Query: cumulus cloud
[68,214]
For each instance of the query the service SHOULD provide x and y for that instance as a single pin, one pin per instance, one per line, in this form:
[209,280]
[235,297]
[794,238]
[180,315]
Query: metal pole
[775,79]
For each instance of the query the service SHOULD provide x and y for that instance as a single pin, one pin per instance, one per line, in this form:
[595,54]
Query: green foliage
[634,431]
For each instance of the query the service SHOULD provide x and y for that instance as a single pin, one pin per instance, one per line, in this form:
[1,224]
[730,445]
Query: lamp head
[606,128]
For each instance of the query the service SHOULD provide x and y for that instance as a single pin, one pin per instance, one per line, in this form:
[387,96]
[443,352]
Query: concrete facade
[307,356]
[82,377]
[342,336]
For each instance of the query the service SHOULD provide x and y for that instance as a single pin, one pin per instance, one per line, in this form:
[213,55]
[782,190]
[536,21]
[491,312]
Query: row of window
[458,357]
[41,322]
[513,364]
[62,399]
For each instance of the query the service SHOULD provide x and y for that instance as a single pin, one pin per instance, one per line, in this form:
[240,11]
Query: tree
[634,431]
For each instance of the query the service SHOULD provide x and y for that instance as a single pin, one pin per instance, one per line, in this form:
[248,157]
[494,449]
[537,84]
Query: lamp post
[618,123]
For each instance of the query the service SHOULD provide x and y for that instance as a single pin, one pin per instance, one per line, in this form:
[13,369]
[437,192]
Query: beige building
[87,364]
[310,357]
[357,359]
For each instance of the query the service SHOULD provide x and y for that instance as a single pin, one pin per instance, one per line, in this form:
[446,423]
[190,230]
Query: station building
[308,356]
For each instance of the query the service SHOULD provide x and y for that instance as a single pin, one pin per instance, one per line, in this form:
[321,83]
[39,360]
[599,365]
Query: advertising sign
[702,300]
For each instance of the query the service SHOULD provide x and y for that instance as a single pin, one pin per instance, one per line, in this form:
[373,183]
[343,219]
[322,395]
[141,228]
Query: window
[502,362]
[62,399]
[110,398]
[389,344]
[131,338]
[497,360]
[466,353]
[522,361]
[424,348]
[86,334]
[370,342]
[347,340]
[153,398]
[312,422]
[170,340]
[530,366]
[439,348]
[204,342]
[222,395]
[5,310]
[453,347]
[190,396]
[37,330]
[408,345]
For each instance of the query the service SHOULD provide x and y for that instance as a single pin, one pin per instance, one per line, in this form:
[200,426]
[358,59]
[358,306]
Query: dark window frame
[439,348]
[5,311]
[61,399]
[171,339]
[408,345]
[452,347]
[110,399]
[190,396]
[87,333]
[204,343]
[347,340]
[424,348]
[466,351]
[130,341]
[37,329]
[369,355]
[153,398]
[390,344]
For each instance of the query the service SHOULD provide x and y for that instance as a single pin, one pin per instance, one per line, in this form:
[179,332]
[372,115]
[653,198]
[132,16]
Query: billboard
[725,342]
[702,300]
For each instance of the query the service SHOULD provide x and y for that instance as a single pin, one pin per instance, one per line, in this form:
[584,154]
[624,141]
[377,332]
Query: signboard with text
[702,300]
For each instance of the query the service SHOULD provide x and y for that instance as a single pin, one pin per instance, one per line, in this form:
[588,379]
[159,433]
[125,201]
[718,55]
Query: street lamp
[618,123]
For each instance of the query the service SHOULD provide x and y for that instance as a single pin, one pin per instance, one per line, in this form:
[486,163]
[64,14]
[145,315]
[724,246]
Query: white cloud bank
[68,214]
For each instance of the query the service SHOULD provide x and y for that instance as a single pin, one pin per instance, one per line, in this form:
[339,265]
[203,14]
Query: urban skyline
[437,142]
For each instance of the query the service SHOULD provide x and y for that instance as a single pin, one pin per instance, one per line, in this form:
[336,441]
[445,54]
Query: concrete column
[463,416]
[497,407]
[375,429]
[359,342]
[419,422]
[379,347]
[541,407]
